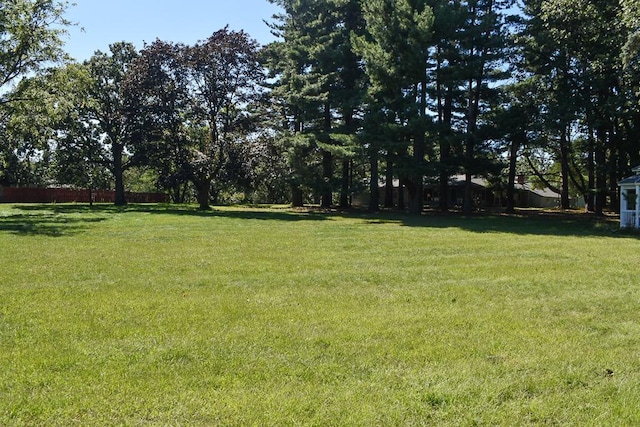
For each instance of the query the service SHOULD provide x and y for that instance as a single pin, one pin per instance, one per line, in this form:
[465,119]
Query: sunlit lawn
[166,315]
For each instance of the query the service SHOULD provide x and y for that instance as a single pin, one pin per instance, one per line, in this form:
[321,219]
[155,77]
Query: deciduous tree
[31,33]
[31,38]
[107,108]
[193,107]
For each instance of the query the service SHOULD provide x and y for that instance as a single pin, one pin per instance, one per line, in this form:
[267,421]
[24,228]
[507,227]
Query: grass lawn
[161,315]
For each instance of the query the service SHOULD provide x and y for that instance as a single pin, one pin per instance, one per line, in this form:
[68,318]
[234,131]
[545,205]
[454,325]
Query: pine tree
[573,49]
[320,86]
[482,46]
[396,56]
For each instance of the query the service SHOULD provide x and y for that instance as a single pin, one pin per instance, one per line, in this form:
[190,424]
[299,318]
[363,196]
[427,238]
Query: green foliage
[141,180]
[631,49]
[79,156]
[275,317]
[412,88]
[87,120]
[574,48]
[194,104]
[30,38]
[400,35]
[320,85]
[395,51]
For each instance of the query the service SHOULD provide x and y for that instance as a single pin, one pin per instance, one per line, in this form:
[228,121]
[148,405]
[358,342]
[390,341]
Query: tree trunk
[467,204]
[613,167]
[445,150]
[388,188]
[327,168]
[591,174]
[118,174]
[403,178]
[203,187]
[374,198]
[415,206]
[513,164]
[327,165]
[469,150]
[344,191]
[297,198]
[601,172]
[416,184]
[565,202]
[467,201]
[443,202]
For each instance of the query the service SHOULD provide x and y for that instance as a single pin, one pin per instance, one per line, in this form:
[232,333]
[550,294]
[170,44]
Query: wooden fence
[66,195]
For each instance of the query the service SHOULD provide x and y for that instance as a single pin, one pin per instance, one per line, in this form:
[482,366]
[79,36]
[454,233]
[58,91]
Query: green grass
[160,315]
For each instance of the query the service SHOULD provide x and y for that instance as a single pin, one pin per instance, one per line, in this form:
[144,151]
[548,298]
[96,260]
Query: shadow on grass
[247,213]
[524,222]
[44,224]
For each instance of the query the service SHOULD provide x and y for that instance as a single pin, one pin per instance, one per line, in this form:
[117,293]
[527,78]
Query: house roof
[476,181]
[542,192]
[456,180]
[632,179]
[480,182]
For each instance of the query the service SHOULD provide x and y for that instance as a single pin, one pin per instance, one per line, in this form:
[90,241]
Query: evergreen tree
[396,56]
[319,87]
[483,46]
[446,93]
[573,48]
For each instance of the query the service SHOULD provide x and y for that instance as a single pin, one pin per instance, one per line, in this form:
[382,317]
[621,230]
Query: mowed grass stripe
[163,315]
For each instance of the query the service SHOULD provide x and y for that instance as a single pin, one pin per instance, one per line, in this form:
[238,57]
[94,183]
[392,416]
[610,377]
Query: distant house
[484,196]
[481,192]
[629,206]
[528,197]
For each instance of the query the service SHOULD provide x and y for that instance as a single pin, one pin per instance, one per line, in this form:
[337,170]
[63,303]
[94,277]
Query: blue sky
[138,21]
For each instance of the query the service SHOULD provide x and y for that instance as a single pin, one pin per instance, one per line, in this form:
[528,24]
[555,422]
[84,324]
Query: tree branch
[541,177]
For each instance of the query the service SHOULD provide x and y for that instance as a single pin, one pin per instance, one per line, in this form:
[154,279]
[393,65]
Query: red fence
[65,195]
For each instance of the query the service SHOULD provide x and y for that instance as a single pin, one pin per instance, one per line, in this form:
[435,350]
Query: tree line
[352,95]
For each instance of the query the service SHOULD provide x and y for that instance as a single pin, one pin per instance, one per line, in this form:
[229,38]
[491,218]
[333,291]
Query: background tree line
[352,94]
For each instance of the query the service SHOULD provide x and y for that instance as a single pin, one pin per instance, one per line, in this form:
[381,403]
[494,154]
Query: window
[630,196]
